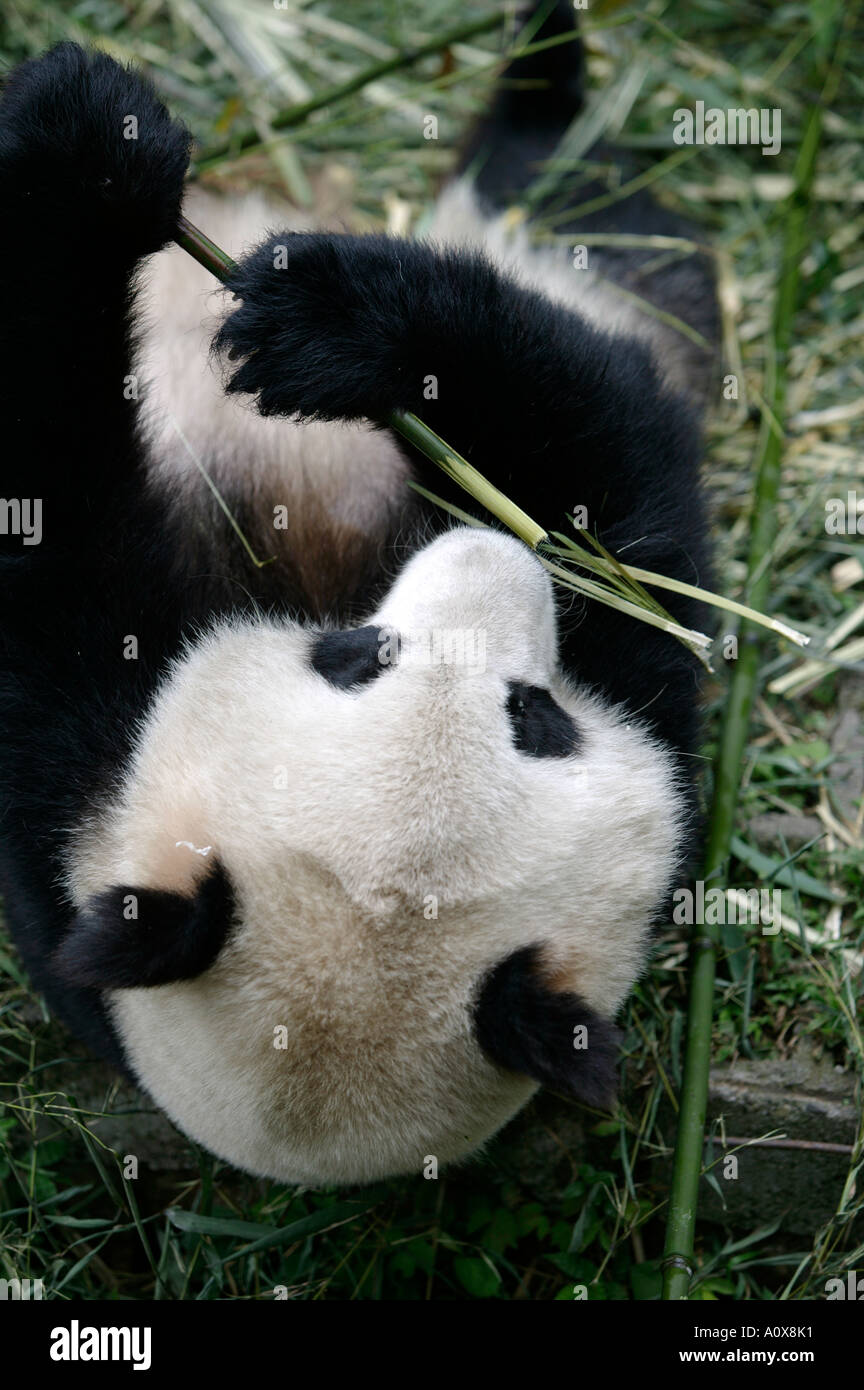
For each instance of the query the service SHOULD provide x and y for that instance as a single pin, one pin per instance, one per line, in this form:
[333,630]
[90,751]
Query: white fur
[348,472]
[344,818]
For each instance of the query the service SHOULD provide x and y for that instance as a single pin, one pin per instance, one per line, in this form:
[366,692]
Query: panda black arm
[91,176]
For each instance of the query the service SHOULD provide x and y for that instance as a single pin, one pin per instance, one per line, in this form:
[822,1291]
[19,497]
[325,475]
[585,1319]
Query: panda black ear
[128,938]
[526,1027]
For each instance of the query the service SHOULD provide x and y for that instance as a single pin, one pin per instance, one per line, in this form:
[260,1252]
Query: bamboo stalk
[680,1229]
[203,250]
[467,476]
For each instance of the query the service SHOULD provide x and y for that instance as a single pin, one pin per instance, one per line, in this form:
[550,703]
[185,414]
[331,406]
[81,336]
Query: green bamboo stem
[680,1229]
[203,250]
[406,57]
[463,473]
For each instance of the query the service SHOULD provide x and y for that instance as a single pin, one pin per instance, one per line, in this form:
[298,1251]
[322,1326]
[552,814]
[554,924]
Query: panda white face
[353,831]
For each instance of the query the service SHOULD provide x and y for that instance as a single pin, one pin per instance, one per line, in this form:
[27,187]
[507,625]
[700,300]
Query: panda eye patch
[351,657]
[540,727]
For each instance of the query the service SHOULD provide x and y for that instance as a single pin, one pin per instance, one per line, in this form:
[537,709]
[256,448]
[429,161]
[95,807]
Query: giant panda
[336,909]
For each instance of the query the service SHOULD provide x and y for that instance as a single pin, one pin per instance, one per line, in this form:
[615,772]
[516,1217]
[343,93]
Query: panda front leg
[91,178]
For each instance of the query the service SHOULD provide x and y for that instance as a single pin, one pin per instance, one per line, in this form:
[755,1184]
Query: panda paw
[89,156]
[347,327]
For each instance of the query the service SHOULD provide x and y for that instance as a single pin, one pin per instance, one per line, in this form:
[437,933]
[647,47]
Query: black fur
[526,1027]
[81,205]
[349,657]
[554,411]
[508,153]
[170,937]
[534,103]
[540,726]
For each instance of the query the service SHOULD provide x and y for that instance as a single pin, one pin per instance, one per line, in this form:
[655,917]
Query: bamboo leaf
[772,870]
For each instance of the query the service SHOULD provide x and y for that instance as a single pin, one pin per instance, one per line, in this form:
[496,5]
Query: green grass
[509,1225]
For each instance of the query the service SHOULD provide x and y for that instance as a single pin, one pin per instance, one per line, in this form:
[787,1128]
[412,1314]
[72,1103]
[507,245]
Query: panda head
[361,891]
